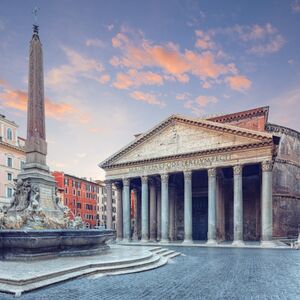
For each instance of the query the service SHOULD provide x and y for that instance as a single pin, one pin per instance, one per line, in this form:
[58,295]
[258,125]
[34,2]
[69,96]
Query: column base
[187,242]
[164,241]
[211,242]
[145,241]
[268,244]
[126,240]
[238,243]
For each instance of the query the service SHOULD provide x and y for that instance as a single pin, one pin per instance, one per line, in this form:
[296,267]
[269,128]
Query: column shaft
[164,207]
[108,184]
[153,223]
[266,203]
[211,235]
[237,204]
[126,210]
[172,197]
[119,213]
[158,212]
[145,209]
[188,224]
[135,229]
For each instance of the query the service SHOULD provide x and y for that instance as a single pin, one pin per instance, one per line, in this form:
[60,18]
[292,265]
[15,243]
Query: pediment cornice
[258,138]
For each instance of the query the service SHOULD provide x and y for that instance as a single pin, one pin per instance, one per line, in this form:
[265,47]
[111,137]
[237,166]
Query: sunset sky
[116,68]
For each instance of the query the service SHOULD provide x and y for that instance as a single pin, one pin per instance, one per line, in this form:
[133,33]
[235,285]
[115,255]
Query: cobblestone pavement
[201,273]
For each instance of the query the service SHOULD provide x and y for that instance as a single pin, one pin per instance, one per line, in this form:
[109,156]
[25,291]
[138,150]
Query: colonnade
[156,206]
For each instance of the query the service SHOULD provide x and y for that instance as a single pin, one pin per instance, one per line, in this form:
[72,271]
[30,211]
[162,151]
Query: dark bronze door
[200,215]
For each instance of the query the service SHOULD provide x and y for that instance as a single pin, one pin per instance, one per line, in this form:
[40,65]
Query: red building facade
[80,195]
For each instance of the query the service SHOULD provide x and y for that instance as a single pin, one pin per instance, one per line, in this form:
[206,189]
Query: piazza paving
[199,273]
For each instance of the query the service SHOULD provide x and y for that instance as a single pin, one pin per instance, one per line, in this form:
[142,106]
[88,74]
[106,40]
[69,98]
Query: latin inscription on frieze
[190,163]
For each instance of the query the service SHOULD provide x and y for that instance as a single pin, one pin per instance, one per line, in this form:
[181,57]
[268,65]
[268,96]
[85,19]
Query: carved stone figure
[34,198]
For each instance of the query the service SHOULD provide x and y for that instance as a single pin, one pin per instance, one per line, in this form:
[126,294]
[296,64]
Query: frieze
[200,162]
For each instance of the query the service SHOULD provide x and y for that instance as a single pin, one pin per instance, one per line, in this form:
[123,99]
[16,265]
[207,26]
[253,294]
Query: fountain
[36,224]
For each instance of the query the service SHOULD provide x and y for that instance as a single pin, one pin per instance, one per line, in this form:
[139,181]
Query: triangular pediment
[179,136]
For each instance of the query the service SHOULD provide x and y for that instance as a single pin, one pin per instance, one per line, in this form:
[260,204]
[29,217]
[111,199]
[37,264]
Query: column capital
[212,172]
[152,181]
[108,183]
[238,170]
[164,177]
[144,179]
[126,181]
[118,184]
[187,174]
[267,166]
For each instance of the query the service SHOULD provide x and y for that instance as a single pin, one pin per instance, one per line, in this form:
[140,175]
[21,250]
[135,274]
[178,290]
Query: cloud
[133,78]
[295,5]
[183,96]
[78,66]
[17,99]
[146,97]
[272,46]
[204,40]
[238,83]
[259,39]
[285,109]
[110,27]
[203,101]
[196,105]
[81,155]
[95,43]
[139,53]
[104,79]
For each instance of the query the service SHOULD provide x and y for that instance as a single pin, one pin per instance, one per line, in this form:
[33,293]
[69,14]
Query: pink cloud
[104,79]
[146,97]
[133,78]
[17,99]
[78,66]
[168,57]
[95,43]
[238,82]
[204,40]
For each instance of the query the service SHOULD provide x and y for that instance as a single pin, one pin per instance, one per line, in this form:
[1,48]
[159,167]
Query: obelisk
[36,169]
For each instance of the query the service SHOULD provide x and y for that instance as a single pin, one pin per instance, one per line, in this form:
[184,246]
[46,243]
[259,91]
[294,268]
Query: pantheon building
[234,177]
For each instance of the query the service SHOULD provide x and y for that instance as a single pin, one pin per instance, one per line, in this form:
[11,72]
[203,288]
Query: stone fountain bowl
[49,243]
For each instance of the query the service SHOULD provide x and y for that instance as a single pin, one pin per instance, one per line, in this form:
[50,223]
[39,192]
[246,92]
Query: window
[9,176]
[9,162]
[78,193]
[66,181]
[66,201]
[22,164]
[9,134]
[78,205]
[9,192]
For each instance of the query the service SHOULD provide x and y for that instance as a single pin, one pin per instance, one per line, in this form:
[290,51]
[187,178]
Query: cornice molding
[191,154]
[200,123]
[281,129]
[261,111]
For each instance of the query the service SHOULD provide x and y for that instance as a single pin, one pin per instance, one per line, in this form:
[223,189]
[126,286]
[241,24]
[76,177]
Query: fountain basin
[37,244]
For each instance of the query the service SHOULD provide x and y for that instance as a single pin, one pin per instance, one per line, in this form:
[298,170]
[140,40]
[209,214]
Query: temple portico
[160,197]
[195,180]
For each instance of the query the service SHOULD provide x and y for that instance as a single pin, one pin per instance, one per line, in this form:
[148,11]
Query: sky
[117,68]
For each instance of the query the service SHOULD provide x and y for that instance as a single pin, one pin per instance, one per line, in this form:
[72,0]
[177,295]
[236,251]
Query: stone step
[154,249]
[167,253]
[160,251]
[153,262]
[173,255]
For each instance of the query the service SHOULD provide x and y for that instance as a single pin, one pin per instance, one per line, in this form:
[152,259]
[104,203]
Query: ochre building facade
[228,178]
